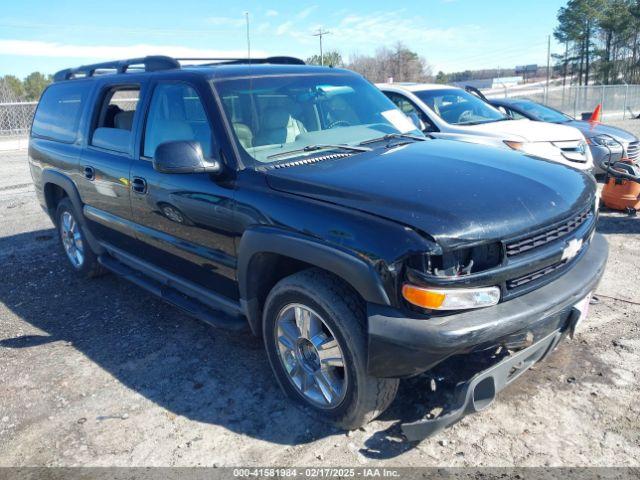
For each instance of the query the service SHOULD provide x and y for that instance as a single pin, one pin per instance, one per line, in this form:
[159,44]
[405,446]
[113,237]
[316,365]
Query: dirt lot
[100,373]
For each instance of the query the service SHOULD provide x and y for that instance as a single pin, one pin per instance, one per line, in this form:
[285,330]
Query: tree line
[397,62]
[601,39]
[26,90]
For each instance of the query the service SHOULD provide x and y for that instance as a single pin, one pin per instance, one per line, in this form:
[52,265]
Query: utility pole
[548,59]
[320,34]
[566,63]
[246,16]
[546,95]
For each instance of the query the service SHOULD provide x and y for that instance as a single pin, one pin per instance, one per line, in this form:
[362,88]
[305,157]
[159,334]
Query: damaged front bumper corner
[479,391]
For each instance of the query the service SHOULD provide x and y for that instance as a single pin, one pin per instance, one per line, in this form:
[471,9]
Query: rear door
[187,221]
[106,160]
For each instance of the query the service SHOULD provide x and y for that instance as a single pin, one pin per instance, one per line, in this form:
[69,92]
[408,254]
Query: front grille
[530,277]
[523,245]
[633,151]
[574,151]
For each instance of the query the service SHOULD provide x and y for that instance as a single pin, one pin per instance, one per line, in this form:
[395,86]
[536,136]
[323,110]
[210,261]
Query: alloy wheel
[72,239]
[311,356]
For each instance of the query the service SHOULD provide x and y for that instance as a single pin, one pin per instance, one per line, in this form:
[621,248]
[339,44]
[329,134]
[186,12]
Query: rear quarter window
[58,113]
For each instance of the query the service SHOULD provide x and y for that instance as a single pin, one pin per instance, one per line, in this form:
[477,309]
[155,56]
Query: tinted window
[176,113]
[59,110]
[543,113]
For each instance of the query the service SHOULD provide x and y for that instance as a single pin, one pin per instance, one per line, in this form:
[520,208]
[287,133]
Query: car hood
[453,191]
[593,129]
[527,130]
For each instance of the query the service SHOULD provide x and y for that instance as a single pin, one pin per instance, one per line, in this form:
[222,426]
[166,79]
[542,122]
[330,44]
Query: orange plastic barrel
[620,194]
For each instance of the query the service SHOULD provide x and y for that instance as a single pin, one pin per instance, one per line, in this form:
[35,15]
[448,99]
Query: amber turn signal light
[450,298]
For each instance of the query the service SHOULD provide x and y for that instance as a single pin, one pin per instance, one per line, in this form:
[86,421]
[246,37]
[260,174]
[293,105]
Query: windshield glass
[542,112]
[275,115]
[458,107]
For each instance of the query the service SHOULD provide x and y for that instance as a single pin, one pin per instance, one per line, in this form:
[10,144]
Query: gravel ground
[99,373]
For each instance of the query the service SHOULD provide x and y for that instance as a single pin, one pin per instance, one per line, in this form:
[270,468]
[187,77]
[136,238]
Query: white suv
[453,113]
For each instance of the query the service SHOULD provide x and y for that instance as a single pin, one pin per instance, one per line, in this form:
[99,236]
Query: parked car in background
[623,144]
[453,113]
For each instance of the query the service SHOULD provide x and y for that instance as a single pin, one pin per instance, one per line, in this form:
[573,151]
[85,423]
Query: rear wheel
[74,245]
[315,336]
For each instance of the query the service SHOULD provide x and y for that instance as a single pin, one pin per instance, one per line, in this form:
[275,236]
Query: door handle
[89,173]
[139,185]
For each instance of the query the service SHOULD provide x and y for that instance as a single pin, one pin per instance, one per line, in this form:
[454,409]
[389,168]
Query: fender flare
[362,276]
[63,181]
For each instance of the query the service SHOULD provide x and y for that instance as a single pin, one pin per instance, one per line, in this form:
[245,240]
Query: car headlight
[539,149]
[602,140]
[515,145]
[451,298]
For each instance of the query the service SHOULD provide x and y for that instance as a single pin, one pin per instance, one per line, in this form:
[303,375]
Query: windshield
[542,112]
[458,107]
[275,115]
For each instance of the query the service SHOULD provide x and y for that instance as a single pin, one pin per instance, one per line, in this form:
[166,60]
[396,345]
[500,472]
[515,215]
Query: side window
[514,114]
[112,130]
[176,113]
[58,113]
[410,110]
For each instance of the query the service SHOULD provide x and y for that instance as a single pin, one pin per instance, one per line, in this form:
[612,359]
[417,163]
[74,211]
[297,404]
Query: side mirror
[183,156]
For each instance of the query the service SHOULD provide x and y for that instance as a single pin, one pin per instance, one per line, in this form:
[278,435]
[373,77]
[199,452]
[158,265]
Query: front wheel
[315,336]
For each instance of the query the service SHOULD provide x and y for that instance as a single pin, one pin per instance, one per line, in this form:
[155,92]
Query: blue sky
[452,35]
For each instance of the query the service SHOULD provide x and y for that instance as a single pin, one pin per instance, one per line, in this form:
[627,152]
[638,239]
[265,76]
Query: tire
[359,397]
[73,241]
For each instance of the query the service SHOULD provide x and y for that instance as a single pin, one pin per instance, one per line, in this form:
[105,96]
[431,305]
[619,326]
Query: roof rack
[155,63]
[151,63]
[279,60]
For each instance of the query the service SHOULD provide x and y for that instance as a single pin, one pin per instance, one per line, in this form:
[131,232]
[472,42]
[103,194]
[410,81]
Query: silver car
[598,135]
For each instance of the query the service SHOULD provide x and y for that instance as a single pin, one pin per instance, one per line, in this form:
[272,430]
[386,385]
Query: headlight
[515,145]
[538,149]
[603,141]
[451,298]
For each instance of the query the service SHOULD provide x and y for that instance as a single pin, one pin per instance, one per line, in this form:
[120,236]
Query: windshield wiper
[391,136]
[324,146]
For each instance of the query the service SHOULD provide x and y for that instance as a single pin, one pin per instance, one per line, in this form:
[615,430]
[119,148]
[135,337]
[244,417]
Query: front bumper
[402,347]
[477,393]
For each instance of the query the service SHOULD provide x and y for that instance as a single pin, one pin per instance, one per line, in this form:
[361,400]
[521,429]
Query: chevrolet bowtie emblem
[572,249]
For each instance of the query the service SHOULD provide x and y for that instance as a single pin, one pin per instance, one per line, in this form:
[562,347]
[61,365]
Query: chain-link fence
[617,101]
[15,116]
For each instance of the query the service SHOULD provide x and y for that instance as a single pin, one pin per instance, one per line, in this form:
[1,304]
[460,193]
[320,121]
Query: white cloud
[271,13]
[263,27]
[365,32]
[302,14]
[109,52]
[284,28]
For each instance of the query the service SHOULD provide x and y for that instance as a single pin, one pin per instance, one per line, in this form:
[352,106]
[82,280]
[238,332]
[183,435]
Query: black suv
[298,200]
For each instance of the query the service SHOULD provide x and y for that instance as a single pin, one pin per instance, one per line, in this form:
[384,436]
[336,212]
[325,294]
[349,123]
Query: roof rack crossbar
[152,63]
[281,60]
[155,63]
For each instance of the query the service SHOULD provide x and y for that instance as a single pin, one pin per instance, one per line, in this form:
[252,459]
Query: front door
[186,220]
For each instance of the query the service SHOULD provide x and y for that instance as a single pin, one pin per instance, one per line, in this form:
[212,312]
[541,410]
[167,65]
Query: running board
[160,287]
